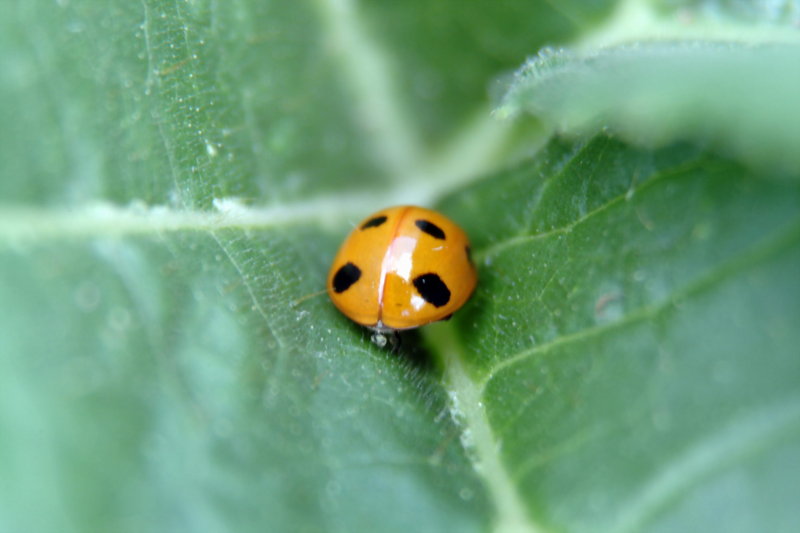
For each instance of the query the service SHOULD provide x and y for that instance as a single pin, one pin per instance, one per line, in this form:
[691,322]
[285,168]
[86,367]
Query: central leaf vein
[478,437]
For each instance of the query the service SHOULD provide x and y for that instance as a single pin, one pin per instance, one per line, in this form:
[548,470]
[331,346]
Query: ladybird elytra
[401,268]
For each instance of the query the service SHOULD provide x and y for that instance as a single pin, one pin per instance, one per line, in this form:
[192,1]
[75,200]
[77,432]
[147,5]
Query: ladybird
[401,268]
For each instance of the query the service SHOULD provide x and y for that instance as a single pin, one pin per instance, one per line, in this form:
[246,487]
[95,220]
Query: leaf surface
[176,177]
[633,341]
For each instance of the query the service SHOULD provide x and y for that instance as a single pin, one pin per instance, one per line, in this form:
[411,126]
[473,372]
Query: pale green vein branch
[472,153]
[151,81]
[255,299]
[379,110]
[764,249]
[373,86]
[745,436]
[579,439]
[478,438]
[21,225]
[516,240]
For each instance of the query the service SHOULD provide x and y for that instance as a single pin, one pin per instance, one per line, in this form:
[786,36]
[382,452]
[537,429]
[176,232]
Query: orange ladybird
[401,268]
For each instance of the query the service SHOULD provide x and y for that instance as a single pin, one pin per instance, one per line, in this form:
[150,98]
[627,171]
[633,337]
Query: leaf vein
[478,438]
[764,249]
[376,103]
[711,456]
[246,282]
[500,246]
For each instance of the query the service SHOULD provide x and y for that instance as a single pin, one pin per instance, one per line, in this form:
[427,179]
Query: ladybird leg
[378,339]
[396,340]
[391,337]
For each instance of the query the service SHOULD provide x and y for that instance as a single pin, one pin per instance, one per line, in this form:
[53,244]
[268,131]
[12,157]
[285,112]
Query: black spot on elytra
[432,289]
[374,222]
[430,228]
[345,277]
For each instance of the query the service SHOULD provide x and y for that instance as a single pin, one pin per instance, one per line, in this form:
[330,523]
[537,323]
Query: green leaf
[634,339]
[175,180]
[736,97]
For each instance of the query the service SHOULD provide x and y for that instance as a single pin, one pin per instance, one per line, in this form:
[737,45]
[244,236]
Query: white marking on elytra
[399,257]
[417,302]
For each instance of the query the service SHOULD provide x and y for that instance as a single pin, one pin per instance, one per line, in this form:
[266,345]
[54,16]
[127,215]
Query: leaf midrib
[30,225]
[477,436]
